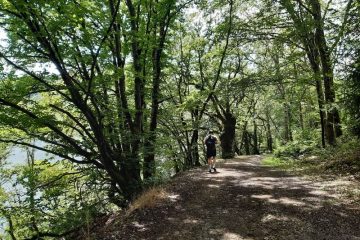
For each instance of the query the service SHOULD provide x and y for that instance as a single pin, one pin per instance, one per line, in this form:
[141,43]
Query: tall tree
[309,24]
[98,120]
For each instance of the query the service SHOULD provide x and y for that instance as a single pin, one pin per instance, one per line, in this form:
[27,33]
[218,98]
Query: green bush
[345,158]
[277,162]
[295,148]
[351,97]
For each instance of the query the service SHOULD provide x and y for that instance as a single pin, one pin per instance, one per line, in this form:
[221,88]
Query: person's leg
[213,163]
[209,163]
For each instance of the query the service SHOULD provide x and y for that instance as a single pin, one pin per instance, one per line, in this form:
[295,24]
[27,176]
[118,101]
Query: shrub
[345,158]
[295,148]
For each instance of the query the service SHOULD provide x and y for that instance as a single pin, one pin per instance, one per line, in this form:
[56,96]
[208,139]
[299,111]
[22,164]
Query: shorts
[211,153]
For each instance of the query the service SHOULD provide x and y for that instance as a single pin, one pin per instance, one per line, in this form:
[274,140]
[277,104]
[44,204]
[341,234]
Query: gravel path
[244,200]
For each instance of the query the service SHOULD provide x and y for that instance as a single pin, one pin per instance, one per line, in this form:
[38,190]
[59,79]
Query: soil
[243,200]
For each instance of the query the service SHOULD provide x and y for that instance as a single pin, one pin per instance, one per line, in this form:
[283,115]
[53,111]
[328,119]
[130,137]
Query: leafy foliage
[352,97]
[47,199]
[122,93]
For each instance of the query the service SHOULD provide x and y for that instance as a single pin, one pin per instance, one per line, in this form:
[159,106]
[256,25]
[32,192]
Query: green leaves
[46,197]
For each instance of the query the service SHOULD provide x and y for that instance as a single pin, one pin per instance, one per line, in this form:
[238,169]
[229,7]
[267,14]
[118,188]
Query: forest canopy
[119,95]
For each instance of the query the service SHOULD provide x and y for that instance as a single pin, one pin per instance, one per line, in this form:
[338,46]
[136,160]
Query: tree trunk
[149,159]
[313,56]
[131,184]
[320,94]
[305,33]
[333,119]
[227,138]
[287,124]
[282,90]
[268,132]
[195,148]
[255,138]
[237,149]
[31,191]
[246,142]
[301,116]
[337,121]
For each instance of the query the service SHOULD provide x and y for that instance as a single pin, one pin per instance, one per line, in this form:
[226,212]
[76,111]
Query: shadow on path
[245,200]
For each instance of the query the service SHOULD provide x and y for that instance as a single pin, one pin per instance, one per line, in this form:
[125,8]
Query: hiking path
[244,200]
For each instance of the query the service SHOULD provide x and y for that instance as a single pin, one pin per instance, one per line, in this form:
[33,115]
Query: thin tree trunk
[282,90]
[149,159]
[268,132]
[313,56]
[246,142]
[307,37]
[287,131]
[301,116]
[333,119]
[290,121]
[32,189]
[255,138]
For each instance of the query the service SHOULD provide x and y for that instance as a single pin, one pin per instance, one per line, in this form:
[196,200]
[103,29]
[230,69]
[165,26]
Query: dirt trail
[244,200]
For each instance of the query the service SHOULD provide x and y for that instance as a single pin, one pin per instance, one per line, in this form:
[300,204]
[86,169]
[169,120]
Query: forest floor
[243,200]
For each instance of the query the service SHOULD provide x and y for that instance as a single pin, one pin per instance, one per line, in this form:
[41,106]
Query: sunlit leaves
[46,194]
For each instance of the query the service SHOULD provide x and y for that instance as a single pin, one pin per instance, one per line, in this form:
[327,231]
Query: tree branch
[217,76]
[33,75]
[21,143]
[75,120]
[47,124]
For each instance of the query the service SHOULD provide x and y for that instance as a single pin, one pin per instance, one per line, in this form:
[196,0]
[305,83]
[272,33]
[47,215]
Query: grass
[330,164]
[148,199]
[278,162]
[344,159]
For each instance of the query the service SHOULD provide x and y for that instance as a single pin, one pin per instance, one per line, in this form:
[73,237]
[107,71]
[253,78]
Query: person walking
[210,141]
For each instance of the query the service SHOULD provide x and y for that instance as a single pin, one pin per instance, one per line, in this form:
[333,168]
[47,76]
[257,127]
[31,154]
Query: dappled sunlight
[264,182]
[236,163]
[180,208]
[229,172]
[190,221]
[270,217]
[139,227]
[282,182]
[224,234]
[216,231]
[320,193]
[282,200]
[219,180]
[313,198]
[287,201]
[292,183]
[174,197]
[233,236]
[246,202]
[290,190]
[262,196]
[171,219]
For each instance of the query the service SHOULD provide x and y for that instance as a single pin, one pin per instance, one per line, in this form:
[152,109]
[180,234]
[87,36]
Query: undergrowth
[329,163]
[148,199]
[344,159]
